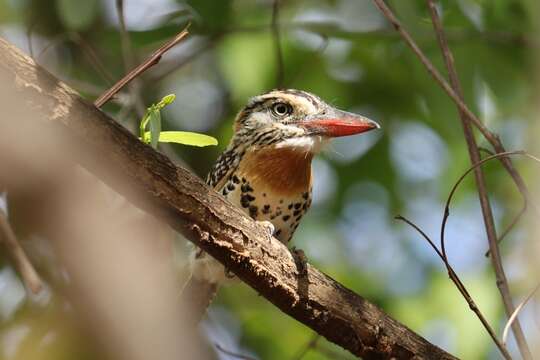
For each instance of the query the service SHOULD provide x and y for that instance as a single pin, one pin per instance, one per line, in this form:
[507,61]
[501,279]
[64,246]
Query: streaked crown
[295,118]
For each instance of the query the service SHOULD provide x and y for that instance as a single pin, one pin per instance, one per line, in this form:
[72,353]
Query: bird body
[273,185]
[266,169]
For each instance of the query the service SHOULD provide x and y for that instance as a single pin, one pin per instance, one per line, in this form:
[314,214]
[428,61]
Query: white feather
[312,144]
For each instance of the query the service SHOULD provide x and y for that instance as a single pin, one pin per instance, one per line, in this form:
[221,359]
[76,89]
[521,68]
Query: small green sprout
[152,119]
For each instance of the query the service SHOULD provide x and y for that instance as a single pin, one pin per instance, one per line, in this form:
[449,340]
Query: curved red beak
[337,123]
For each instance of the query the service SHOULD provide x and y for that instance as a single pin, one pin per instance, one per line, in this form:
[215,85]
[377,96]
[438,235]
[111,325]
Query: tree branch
[148,63]
[184,202]
[492,138]
[461,287]
[487,213]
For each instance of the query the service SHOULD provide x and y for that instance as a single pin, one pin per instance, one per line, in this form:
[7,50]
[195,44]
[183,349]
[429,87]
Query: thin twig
[516,312]
[463,176]
[442,252]
[277,45]
[492,138]
[510,226]
[462,289]
[209,44]
[460,180]
[148,63]
[233,354]
[23,265]
[487,151]
[474,155]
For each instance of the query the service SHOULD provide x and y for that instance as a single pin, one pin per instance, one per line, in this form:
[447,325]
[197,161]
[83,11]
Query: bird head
[295,119]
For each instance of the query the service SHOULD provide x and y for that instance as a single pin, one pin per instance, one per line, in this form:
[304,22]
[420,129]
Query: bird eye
[281,109]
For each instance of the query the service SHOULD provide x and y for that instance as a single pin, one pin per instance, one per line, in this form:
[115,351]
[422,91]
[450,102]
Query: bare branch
[145,65]
[461,287]
[493,139]
[460,180]
[516,312]
[510,226]
[23,265]
[211,43]
[464,175]
[474,154]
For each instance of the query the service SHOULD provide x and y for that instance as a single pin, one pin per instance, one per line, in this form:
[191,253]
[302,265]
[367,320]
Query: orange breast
[282,171]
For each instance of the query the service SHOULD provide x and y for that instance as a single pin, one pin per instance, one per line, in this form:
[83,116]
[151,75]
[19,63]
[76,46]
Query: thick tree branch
[184,202]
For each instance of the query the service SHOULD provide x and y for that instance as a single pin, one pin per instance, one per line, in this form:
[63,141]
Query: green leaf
[184,137]
[167,99]
[155,127]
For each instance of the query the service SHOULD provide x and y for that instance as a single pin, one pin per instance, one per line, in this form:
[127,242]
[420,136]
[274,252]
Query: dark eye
[281,109]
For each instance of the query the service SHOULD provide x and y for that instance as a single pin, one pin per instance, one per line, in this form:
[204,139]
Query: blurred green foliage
[343,51]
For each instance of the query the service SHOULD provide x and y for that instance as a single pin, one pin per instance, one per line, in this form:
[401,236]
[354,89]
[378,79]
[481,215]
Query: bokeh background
[345,52]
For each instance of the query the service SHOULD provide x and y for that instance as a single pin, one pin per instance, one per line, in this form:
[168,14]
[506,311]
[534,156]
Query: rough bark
[183,201]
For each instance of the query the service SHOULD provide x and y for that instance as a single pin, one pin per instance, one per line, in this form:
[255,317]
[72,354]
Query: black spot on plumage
[297,212]
[253,211]
[298,218]
[235,179]
[286,217]
[305,206]
[224,192]
[246,188]
[244,180]
[297,205]
[266,209]
[281,201]
[230,187]
[305,195]
[264,194]
[290,206]
[244,201]
[278,232]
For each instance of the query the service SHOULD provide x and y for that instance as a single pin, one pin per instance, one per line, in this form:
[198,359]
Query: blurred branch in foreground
[183,201]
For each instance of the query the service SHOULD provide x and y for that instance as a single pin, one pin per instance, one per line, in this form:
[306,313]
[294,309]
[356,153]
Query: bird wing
[223,168]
